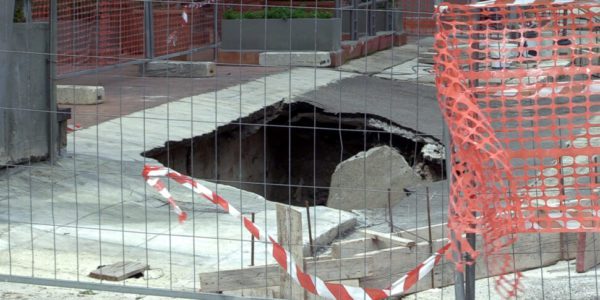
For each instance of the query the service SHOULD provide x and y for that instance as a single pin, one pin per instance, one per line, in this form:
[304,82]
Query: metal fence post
[27,11]
[470,269]
[459,279]
[389,15]
[216,30]
[371,15]
[148,30]
[53,126]
[354,20]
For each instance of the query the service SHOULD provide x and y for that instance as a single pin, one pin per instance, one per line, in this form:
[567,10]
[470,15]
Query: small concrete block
[386,39]
[400,39]
[337,58]
[238,57]
[371,44]
[296,59]
[186,69]
[79,94]
[352,49]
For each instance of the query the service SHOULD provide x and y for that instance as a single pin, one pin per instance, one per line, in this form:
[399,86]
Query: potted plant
[281,29]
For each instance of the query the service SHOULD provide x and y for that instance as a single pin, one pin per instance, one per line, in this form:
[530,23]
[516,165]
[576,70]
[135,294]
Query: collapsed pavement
[288,152]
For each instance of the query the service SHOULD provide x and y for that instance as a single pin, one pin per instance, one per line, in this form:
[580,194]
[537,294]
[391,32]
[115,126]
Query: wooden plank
[343,249]
[118,271]
[342,269]
[289,233]
[421,234]
[393,263]
[387,240]
[252,277]
[532,250]
[588,246]
[396,260]
[568,245]
[264,276]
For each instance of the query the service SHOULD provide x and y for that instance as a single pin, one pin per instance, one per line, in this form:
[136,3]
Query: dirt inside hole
[286,152]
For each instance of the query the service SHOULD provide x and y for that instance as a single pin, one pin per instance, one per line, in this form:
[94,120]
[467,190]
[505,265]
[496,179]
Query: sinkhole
[287,152]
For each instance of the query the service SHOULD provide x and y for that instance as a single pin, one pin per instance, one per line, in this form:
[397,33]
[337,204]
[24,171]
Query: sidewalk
[93,207]
[127,92]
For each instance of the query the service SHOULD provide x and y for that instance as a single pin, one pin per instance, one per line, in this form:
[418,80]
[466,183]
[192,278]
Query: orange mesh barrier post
[519,87]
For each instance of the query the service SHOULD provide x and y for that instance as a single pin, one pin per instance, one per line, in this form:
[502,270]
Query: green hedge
[277,13]
[19,14]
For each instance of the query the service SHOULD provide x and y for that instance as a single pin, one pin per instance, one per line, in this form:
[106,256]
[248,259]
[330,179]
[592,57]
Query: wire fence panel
[269,149]
[103,33]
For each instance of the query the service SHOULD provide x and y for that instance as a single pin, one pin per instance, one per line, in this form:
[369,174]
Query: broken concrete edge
[350,50]
[182,69]
[407,133]
[79,94]
[272,111]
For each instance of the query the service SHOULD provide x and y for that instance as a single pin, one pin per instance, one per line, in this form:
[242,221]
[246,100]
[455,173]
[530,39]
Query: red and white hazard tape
[73,127]
[309,282]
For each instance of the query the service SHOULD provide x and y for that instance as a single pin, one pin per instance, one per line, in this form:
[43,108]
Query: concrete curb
[185,69]
[79,94]
[349,50]
[296,59]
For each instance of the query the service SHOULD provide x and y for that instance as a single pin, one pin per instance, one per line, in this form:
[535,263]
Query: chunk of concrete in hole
[295,59]
[362,180]
[187,69]
[79,94]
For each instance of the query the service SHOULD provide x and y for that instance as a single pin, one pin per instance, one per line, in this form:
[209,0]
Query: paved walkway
[93,207]
[127,92]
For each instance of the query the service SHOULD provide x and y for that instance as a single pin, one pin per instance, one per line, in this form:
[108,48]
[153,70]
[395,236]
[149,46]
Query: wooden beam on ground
[530,251]
[289,233]
[421,234]
[118,271]
[588,247]
[268,275]
[569,245]
[343,249]
[388,240]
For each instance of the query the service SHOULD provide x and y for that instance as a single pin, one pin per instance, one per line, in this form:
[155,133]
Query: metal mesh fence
[245,149]
[91,34]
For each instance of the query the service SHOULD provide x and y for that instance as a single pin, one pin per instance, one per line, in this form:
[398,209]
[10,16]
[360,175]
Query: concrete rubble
[364,179]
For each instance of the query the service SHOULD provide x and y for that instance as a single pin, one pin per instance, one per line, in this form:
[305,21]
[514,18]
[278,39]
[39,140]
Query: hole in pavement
[286,152]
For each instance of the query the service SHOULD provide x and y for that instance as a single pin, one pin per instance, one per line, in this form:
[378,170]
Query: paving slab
[412,107]
[381,60]
[127,92]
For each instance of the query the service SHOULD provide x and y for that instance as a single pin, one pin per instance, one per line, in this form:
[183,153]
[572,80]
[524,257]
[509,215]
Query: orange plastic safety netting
[519,87]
